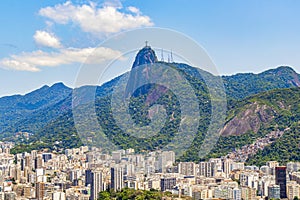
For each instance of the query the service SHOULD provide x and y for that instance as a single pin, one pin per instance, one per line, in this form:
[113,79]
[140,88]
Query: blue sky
[43,42]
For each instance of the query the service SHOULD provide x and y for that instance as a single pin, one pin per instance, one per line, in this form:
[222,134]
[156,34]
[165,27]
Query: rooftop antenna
[172,56]
[146,43]
[162,55]
[168,58]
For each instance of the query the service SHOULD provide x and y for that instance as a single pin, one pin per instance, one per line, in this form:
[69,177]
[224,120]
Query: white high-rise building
[272,165]
[227,166]
[293,190]
[117,182]
[218,163]
[97,184]
[249,179]
[129,169]
[207,169]
[166,158]
[187,168]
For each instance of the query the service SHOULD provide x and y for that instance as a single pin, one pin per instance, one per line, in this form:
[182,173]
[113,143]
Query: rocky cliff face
[250,119]
[144,57]
[140,71]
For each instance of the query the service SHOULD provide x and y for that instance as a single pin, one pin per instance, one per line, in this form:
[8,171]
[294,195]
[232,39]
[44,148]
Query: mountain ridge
[240,88]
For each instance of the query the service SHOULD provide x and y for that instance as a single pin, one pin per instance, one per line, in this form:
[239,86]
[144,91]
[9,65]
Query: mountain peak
[281,70]
[145,56]
[59,85]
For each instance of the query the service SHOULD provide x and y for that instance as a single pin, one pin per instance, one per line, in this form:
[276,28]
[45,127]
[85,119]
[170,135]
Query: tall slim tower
[172,57]
[280,177]
[162,55]
[88,177]
[97,184]
[117,182]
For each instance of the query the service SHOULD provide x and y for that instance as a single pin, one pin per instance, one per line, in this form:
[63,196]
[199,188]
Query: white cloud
[113,3]
[133,10]
[91,19]
[46,39]
[32,61]
[110,17]
[17,65]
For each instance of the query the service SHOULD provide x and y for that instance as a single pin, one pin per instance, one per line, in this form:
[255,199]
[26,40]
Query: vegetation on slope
[61,132]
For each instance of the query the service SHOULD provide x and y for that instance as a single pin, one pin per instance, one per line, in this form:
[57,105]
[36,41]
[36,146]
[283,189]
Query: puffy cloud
[90,18]
[133,10]
[32,61]
[46,39]
[110,17]
[17,65]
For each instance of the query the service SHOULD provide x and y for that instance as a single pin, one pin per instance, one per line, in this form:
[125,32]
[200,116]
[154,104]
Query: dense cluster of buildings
[81,173]
[248,150]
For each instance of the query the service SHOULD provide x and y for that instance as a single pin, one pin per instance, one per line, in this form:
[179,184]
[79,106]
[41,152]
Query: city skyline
[88,173]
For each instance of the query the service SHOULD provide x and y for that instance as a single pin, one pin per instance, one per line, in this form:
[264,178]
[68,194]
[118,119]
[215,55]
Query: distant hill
[18,109]
[240,86]
[253,110]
